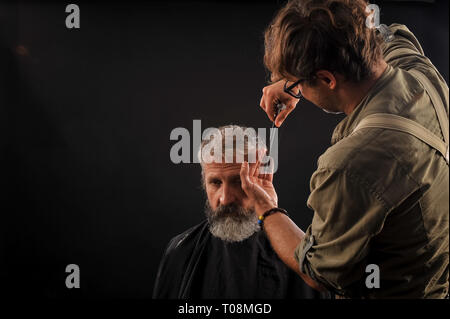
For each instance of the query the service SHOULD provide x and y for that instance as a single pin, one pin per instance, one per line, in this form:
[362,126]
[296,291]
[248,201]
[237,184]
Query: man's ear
[327,78]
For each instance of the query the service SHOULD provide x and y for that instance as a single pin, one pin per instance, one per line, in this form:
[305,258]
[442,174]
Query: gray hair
[230,144]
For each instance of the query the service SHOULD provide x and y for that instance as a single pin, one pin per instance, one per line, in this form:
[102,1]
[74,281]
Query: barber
[380,192]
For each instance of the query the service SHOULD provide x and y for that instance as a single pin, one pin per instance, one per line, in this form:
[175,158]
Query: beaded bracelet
[270,212]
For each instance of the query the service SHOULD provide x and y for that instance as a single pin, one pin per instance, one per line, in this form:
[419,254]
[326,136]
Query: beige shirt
[381,196]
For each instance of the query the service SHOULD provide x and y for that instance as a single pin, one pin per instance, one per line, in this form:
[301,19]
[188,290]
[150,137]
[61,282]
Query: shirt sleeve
[347,214]
[405,51]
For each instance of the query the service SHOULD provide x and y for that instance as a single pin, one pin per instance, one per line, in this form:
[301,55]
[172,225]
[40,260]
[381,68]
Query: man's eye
[216,182]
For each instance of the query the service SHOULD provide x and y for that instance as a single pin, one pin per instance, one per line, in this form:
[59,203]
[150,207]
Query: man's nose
[228,195]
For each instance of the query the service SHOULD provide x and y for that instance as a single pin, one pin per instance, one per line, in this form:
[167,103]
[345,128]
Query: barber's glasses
[293,89]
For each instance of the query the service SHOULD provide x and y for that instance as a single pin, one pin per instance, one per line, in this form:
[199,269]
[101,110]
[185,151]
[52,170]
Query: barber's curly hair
[310,35]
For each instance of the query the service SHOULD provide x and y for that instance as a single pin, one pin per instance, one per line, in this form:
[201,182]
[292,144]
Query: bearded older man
[227,255]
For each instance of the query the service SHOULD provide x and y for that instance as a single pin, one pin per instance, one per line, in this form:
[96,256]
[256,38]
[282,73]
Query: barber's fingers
[260,191]
[266,171]
[274,94]
[246,183]
[271,95]
[261,154]
[265,104]
[252,169]
[249,172]
[257,167]
[283,114]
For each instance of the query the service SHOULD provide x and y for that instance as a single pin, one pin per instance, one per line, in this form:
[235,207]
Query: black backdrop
[85,122]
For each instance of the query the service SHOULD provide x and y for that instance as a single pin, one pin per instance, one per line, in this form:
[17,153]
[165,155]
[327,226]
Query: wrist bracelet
[270,212]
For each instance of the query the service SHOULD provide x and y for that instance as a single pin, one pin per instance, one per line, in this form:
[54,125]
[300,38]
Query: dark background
[85,119]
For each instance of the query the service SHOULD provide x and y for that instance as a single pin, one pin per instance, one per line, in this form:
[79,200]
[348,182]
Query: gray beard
[231,223]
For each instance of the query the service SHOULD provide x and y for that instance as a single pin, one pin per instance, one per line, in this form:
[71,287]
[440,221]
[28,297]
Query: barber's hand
[273,94]
[258,187]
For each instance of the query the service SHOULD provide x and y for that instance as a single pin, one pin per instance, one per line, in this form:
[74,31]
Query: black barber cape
[198,265]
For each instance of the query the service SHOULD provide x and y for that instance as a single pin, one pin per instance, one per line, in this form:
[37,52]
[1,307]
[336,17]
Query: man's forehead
[221,168]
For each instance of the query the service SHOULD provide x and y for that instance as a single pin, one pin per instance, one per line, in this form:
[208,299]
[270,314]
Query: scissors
[278,108]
